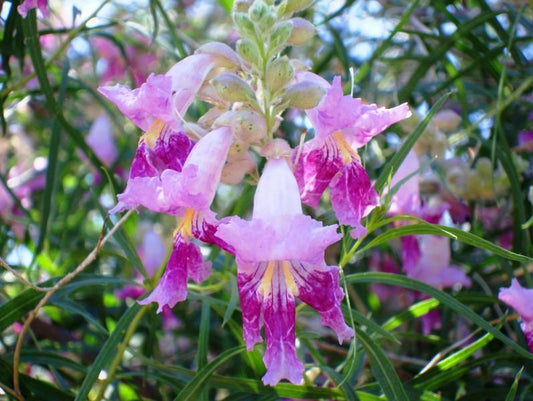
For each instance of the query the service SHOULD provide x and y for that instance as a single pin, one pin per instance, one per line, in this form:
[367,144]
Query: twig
[82,266]
[20,277]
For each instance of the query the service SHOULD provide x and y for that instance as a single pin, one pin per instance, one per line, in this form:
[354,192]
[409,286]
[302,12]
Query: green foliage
[86,340]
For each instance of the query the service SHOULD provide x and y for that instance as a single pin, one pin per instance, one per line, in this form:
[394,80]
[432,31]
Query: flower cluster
[280,251]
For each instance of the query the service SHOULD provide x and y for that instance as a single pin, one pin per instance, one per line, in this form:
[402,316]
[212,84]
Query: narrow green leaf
[392,165]
[51,359]
[445,299]
[191,390]
[107,353]
[203,345]
[464,353]
[419,309]
[514,387]
[422,227]
[15,309]
[233,301]
[383,370]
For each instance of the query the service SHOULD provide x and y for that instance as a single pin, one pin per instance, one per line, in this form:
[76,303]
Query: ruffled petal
[185,261]
[279,314]
[196,184]
[315,169]
[248,280]
[352,196]
[318,286]
[28,5]
[519,298]
[143,105]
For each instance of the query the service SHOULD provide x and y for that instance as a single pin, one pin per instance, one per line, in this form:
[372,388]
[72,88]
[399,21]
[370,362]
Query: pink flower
[188,193]
[343,124]
[520,299]
[166,97]
[28,5]
[280,256]
[100,139]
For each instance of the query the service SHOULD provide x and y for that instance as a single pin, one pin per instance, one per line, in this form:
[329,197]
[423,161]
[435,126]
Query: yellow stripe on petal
[152,133]
[185,224]
[344,147]
[266,282]
[289,280]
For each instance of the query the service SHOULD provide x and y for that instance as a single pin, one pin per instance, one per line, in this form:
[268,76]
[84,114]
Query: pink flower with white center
[280,256]
[520,299]
[343,124]
[28,5]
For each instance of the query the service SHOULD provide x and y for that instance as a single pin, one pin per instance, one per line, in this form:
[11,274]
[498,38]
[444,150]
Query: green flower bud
[304,95]
[227,56]
[233,89]
[258,11]
[279,73]
[241,6]
[248,51]
[302,31]
[244,24]
[484,167]
[293,6]
[279,36]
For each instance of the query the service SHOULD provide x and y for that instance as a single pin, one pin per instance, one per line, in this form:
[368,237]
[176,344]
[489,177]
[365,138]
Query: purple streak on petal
[248,280]
[185,261]
[353,197]
[279,313]
[319,287]
[204,228]
[144,187]
[196,185]
[315,170]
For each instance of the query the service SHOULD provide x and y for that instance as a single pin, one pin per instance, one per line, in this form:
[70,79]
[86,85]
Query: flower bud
[302,31]
[279,73]
[446,120]
[276,148]
[258,10]
[237,167]
[304,95]
[248,126]
[241,6]
[279,36]
[222,51]
[484,167]
[293,6]
[249,52]
[244,24]
[233,89]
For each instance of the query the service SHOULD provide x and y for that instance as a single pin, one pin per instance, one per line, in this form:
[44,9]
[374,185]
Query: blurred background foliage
[92,341]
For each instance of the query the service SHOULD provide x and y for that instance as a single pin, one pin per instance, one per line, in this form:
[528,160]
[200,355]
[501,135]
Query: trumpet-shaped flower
[520,299]
[343,124]
[280,256]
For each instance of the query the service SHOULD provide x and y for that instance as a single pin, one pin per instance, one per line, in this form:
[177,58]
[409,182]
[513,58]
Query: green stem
[120,352]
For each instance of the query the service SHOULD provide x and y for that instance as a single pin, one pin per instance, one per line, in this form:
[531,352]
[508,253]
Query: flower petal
[352,196]
[279,313]
[315,170]
[185,261]
[318,286]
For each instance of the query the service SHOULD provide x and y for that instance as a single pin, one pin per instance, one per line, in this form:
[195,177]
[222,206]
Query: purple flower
[167,97]
[520,299]
[280,256]
[342,124]
[100,139]
[186,192]
[28,5]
